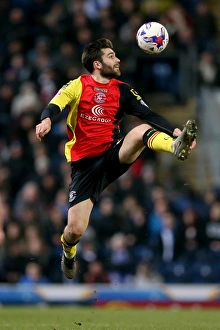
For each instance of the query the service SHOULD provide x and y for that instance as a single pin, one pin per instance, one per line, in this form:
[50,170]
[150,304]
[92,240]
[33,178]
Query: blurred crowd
[141,231]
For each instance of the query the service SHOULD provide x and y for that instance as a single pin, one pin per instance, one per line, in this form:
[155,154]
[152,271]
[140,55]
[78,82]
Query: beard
[109,72]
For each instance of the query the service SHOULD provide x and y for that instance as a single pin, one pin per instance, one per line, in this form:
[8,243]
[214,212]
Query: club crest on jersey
[99,97]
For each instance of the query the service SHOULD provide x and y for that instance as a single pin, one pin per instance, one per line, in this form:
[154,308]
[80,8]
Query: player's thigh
[78,216]
[133,145]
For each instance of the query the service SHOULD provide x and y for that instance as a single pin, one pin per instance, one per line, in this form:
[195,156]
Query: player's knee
[139,132]
[75,230]
[143,128]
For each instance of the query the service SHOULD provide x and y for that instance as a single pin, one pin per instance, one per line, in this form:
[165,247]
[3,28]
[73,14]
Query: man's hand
[43,128]
[177,132]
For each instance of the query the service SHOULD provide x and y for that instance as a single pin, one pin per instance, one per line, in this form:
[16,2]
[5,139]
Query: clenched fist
[43,128]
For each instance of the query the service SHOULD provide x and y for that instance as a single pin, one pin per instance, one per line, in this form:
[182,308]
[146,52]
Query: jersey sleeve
[66,95]
[134,105]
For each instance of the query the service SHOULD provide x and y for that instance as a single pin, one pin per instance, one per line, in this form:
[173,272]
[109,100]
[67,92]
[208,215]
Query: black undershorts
[90,176]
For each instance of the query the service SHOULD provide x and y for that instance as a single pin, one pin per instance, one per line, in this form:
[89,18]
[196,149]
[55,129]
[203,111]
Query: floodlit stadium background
[159,224]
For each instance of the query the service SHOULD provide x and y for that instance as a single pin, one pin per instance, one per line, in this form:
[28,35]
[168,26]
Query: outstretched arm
[47,115]
[64,96]
[137,107]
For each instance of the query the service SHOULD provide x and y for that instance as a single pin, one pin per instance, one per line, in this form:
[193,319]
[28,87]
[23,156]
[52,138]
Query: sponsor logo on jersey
[99,97]
[100,89]
[138,97]
[58,93]
[63,88]
[98,113]
[143,103]
[97,110]
[66,85]
[72,196]
[94,118]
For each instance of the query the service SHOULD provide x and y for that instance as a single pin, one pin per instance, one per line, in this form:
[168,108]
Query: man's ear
[97,65]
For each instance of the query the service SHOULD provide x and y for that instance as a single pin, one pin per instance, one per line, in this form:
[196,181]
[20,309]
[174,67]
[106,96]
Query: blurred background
[159,222]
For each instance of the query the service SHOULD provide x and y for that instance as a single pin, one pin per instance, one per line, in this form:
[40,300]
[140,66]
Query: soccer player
[96,150]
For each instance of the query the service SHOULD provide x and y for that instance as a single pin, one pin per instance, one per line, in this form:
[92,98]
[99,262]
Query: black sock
[148,134]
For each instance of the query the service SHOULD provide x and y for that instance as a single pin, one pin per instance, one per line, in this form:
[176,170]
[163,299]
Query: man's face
[110,64]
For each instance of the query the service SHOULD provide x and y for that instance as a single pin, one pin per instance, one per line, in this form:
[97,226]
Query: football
[152,37]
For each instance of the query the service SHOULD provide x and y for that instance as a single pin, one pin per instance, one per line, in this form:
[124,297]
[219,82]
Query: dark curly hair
[93,52]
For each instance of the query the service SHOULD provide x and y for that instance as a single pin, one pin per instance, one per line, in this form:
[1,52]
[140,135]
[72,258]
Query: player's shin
[158,141]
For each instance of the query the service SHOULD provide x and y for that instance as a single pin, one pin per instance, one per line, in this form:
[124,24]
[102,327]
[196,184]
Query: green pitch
[86,318]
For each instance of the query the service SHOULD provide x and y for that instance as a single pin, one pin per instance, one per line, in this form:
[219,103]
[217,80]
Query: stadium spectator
[193,232]
[166,244]
[33,275]
[205,27]
[106,221]
[121,264]
[212,228]
[179,25]
[145,276]
[208,70]
[160,204]
[29,196]
[7,94]
[96,273]
[89,252]
[14,261]
[25,101]
[2,233]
